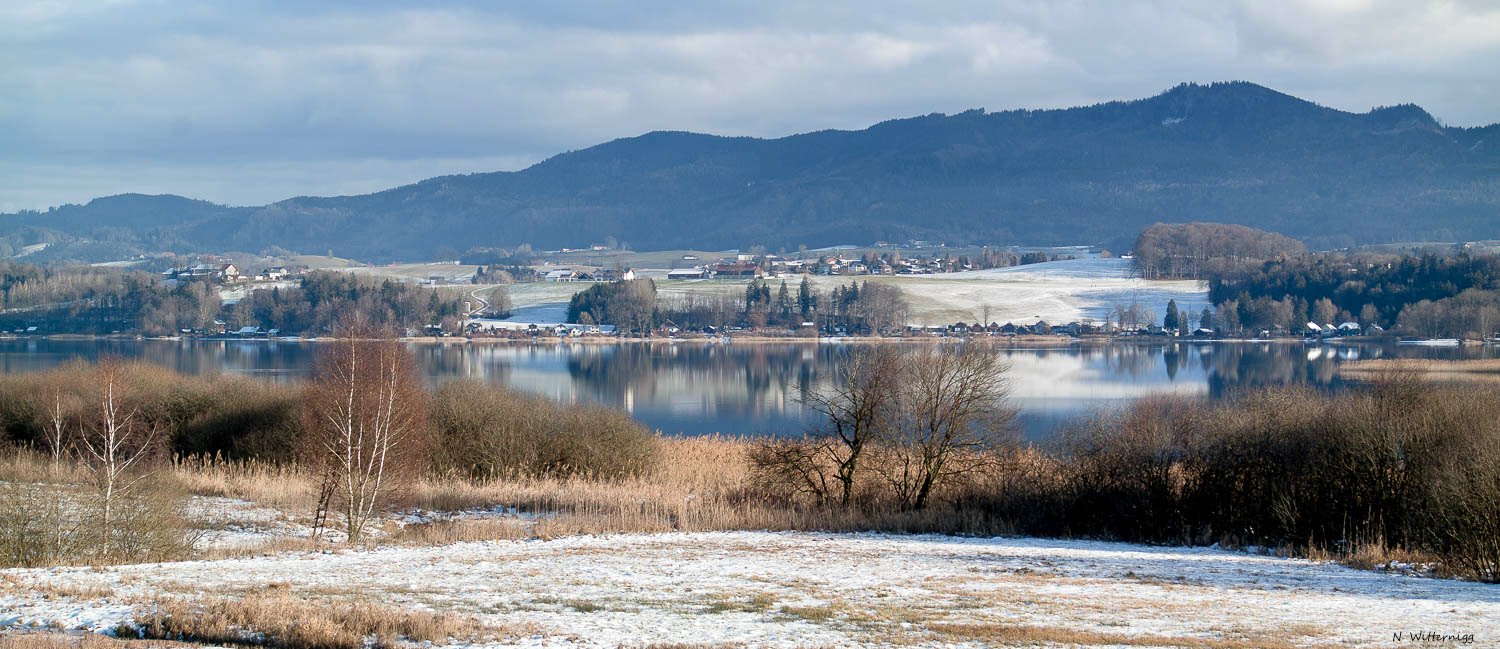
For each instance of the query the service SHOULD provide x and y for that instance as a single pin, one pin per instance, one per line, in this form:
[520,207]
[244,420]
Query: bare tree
[365,417]
[56,415]
[952,409]
[857,409]
[114,444]
[881,307]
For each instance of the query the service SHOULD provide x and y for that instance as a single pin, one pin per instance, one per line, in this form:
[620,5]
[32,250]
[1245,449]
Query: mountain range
[1231,152]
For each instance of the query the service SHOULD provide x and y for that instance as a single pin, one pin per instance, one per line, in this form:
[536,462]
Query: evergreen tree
[1172,319]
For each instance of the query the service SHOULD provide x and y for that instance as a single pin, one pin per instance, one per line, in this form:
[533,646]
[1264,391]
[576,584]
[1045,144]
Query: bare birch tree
[366,421]
[114,444]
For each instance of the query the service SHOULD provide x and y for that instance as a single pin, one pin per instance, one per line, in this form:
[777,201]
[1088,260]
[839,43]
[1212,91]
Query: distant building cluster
[226,273]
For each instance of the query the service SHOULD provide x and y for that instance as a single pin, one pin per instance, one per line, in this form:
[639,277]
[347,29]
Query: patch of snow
[235,523]
[799,589]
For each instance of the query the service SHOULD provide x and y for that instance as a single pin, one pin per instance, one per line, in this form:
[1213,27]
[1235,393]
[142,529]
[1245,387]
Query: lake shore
[1022,341]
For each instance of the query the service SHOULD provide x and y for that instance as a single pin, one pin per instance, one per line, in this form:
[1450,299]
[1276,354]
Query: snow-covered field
[1059,291]
[803,589]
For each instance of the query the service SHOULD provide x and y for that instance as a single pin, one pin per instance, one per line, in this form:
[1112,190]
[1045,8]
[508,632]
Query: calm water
[694,388]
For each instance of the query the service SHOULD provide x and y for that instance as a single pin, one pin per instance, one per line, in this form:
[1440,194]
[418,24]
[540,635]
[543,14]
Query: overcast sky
[250,102]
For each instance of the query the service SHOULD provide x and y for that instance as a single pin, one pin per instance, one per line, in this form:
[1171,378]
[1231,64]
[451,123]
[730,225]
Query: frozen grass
[278,618]
[779,589]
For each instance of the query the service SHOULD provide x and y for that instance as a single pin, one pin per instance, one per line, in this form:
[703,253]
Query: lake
[754,388]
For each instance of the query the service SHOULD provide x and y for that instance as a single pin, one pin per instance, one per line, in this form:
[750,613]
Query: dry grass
[280,619]
[51,640]
[271,485]
[461,531]
[1030,636]
[1485,370]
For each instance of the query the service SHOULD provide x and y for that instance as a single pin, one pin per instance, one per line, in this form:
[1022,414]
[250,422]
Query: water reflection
[751,389]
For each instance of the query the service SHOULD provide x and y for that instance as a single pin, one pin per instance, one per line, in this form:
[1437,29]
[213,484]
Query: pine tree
[783,302]
[805,301]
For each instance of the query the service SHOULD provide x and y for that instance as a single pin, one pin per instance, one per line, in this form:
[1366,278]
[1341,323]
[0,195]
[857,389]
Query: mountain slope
[1230,152]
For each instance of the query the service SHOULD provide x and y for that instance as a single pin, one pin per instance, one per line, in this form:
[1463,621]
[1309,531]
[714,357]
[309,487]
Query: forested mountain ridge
[1228,152]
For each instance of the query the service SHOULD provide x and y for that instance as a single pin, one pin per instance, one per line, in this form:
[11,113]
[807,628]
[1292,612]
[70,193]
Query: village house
[737,270]
[217,272]
[614,274]
[687,273]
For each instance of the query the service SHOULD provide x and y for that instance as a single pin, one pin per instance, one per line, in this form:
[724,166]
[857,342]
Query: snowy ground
[1059,291]
[799,589]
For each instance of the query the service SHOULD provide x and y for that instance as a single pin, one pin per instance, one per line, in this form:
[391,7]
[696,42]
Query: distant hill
[1226,152]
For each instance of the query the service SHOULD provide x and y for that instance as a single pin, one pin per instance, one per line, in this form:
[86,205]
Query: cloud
[96,97]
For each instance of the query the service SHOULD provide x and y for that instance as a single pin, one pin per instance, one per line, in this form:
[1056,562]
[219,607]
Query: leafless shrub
[37,526]
[484,432]
[49,524]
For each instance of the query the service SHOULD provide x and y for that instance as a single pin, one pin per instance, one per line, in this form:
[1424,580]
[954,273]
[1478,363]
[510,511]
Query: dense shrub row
[488,432]
[478,430]
[1398,466]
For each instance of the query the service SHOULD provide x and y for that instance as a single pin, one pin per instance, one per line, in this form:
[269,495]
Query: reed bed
[1479,370]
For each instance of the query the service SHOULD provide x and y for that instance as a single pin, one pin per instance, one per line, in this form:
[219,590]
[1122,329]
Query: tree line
[1430,295]
[326,297]
[1206,250]
[95,300]
[99,300]
[634,306]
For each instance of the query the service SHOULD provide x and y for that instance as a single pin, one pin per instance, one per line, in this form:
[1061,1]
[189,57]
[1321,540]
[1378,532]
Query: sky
[249,102]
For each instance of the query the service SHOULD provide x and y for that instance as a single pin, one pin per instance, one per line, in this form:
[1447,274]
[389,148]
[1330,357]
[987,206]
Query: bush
[484,431]
[49,524]
[216,415]
[1400,465]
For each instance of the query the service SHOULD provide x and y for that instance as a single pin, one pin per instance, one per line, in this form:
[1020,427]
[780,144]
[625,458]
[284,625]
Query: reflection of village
[757,388]
[749,389]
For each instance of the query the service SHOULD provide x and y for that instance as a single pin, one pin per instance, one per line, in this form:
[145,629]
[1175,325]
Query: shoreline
[1022,341]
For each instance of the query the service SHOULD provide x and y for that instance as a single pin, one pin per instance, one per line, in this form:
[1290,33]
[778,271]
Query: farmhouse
[614,274]
[736,270]
[687,273]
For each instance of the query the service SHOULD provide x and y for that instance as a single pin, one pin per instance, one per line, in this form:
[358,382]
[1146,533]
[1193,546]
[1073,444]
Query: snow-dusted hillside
[799,589]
